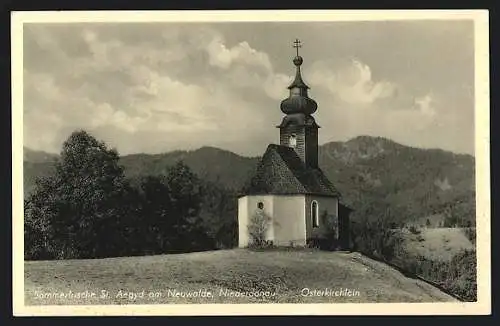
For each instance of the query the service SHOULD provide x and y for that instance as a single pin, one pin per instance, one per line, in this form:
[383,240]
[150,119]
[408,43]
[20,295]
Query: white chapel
[289,187]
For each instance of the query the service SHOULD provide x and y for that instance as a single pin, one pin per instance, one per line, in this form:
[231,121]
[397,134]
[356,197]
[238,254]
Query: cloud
[120,86]
[171,86]
[247,67]
[351,83]
[222,57]
[275,85]
[425,105]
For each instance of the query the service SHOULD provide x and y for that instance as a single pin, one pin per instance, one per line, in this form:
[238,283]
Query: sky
[158,87]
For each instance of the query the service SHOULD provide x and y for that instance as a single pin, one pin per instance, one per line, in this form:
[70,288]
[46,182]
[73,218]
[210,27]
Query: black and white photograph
[198,162]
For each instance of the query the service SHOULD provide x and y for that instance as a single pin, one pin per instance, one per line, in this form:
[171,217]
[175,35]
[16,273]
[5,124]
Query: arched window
[314,214]
[260,205]
[293,140]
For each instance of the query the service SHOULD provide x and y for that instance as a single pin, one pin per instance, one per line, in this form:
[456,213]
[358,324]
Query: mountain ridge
[374,174]
[32,153]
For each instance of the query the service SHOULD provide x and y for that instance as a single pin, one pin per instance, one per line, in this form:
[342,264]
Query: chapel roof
[281,171]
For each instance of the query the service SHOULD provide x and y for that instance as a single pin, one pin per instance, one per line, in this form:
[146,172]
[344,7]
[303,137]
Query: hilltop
[34,156]
[374,174]
[225,273]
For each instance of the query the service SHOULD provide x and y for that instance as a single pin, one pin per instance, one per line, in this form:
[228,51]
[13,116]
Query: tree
[155,207]
[219,212]
[373,235]
[186,198]
[131,222]
[78,209]
[38,231]
[258,226]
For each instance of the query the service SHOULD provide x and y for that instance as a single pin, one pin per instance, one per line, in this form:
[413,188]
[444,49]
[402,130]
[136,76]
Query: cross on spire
[297,45]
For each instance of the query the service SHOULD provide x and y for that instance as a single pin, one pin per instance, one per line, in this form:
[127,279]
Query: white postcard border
[482,150]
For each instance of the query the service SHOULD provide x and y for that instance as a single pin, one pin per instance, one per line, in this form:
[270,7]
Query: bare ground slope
[224,273]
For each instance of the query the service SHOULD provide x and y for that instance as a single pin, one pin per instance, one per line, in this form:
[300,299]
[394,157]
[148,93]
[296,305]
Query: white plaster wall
[288,218]
[242,221]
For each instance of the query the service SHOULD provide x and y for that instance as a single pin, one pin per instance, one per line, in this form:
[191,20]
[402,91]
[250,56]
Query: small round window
[260,205]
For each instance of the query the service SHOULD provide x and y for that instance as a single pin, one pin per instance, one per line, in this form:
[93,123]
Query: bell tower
[298,129]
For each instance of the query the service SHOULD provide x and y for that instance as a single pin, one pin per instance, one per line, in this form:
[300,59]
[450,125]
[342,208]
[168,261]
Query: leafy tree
[156,226]
[373,235]
[38,232]
[76,210]
[169,213]
[186,199]
[219,214]
[132,222]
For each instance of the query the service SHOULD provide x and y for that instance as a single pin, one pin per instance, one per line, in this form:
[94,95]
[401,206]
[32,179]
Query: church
[302,207]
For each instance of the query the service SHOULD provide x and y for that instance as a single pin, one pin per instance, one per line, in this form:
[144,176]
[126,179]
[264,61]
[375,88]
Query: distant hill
[209,163]
[34,156]
[36,163]
[377,173]
[373,174]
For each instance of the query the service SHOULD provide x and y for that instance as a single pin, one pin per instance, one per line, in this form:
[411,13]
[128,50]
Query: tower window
[314,214]
[295,91]
[292,141]
[260,205]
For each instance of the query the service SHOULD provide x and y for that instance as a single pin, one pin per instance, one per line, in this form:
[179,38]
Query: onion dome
[298,119]
[298,104]
[298,101]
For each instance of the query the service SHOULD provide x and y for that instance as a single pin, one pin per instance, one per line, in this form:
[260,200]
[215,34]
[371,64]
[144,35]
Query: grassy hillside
[285,273]
[437,243]
[374,174]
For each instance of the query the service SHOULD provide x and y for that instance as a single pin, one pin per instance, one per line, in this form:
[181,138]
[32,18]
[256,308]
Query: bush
[457,276]
[413,229]
[258,225]
[262,244]
[320,243]
[326,238]
[376,239]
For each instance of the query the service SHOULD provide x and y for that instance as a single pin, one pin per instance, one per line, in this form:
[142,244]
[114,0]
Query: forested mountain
[375,175]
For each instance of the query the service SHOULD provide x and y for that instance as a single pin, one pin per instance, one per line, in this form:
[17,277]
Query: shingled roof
[281,171]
